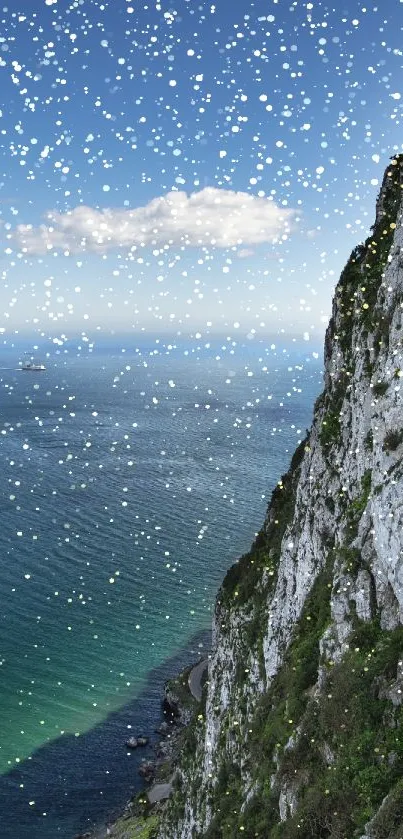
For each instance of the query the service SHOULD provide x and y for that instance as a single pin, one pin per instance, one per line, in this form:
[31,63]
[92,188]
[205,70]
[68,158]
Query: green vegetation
[357,507]
[382,330]
[346,297]
[179,689]
[392,440]
[241,581]
[380,388]
[135,827]
[329,503]
[350,560]
[388,822]
[353,719]
[356,299]
[340,747]
[357,291]
[283,705]
[368,364]
[364,733]
[378,247]
[369,441]
[276,717]
[227,798]
[320,401]
[330,428]
[187,744]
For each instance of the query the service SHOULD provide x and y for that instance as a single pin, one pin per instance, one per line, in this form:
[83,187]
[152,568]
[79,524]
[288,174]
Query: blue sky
[272,123]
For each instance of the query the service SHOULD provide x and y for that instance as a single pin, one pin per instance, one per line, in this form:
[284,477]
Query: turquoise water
[129,482]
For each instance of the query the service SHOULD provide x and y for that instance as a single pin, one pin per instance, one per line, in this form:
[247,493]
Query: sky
[189,167]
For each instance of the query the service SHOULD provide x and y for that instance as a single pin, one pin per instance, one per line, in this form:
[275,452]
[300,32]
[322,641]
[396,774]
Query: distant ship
[33,366]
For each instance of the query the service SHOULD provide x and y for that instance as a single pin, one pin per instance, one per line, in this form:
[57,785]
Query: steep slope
[301,734]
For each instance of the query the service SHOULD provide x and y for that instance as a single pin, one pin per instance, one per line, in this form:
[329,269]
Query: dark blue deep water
[130,479]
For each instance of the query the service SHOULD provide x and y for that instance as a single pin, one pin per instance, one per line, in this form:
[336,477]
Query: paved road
[195,677]
[158,792]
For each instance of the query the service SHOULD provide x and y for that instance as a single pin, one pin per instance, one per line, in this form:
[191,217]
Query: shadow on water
[77,783]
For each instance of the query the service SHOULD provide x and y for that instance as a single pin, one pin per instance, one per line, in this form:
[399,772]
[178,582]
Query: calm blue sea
[131,477]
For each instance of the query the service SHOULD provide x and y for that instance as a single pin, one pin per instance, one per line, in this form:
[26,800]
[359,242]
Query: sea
[133,473]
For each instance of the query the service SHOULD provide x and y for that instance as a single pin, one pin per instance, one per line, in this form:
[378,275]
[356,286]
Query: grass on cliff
[357,506]
[275,719]
[348,754]
[281,708]
[179,687]
[362,731]
[357,302]
[342,748]
[135,827]
[358,288]
[241,582]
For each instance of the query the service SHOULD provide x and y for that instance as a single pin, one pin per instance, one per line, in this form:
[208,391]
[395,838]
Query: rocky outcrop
[178,702]
[301,734]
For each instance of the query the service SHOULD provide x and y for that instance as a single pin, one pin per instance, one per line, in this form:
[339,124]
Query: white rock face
[362,466]
[287,802]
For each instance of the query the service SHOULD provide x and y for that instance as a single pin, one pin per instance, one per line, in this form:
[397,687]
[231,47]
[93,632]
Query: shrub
[381,333]
[357,506]
[365,634]
[329,503]
[346,292]
[369,441]
[350,560]
[330,428]
[389,819]
[360,281]
[350,718]
[368,364]
[392,440]
[280,709]
[241,580]
[380,388]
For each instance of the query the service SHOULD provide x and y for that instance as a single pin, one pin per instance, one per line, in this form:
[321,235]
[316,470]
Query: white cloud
[243,253]
[216,217]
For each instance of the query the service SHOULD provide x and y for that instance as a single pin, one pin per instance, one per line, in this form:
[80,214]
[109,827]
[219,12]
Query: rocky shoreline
[180,701]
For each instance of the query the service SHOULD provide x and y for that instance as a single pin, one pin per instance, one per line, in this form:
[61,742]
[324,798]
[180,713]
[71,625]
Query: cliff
[299,733]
